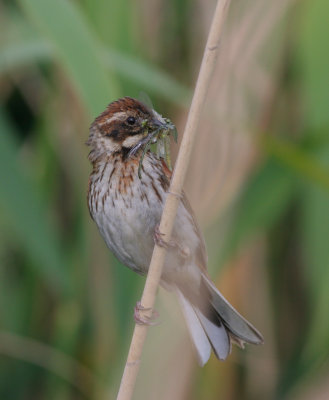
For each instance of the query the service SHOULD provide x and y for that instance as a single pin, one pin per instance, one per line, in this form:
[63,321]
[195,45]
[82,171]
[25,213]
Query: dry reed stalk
[238,91]
[172,201]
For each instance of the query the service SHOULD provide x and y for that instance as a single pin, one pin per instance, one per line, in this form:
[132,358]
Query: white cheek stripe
[132,140]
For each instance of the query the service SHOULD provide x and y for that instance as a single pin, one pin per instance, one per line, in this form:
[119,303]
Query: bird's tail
[214,323]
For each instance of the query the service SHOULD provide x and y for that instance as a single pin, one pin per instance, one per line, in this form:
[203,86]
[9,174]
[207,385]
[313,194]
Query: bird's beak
[157,124]
[153,127]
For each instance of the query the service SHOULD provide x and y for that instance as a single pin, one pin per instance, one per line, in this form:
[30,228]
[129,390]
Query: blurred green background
[258,181]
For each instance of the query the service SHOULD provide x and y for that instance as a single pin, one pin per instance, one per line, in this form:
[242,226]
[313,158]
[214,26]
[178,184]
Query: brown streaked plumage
[127,211]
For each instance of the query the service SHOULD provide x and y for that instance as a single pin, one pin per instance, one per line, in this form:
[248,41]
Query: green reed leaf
[25,213]
[77,48]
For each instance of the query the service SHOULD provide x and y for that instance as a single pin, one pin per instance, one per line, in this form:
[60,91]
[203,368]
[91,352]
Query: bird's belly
[131,239]
[127,221]
[128,229]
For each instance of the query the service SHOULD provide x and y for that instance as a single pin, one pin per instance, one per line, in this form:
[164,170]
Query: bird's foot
[184,251]
[158,239]
[144,319]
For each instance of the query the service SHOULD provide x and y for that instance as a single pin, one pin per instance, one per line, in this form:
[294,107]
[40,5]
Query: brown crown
[122,105]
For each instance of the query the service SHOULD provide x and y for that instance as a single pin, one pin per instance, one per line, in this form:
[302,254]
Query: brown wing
[201,252]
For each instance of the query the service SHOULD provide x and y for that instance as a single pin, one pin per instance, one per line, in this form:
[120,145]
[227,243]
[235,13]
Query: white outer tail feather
[196,331]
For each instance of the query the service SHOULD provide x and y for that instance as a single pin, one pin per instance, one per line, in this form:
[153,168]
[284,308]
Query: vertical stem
[173,198]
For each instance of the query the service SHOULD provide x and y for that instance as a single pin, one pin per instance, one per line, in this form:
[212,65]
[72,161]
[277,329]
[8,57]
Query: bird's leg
[144,320]
[160,241]
[184,251]
[158,238]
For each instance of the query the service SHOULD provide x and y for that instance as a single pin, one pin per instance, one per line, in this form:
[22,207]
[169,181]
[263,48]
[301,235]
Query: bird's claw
[145,320]
[160,241]
[184,251]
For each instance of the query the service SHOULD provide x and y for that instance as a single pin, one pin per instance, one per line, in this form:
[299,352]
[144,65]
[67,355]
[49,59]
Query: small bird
[127,207]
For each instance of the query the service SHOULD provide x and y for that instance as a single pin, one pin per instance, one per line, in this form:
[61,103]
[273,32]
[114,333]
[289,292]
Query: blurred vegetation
[65,302]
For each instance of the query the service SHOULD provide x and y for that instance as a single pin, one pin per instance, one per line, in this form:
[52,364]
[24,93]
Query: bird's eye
[131,120]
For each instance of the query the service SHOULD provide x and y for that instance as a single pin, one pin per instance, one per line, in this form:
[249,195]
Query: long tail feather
[216,333]
[240,329]
[213,323]
[197,333]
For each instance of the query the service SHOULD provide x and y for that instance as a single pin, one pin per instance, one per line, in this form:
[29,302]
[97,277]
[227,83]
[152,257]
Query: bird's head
[126,126]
